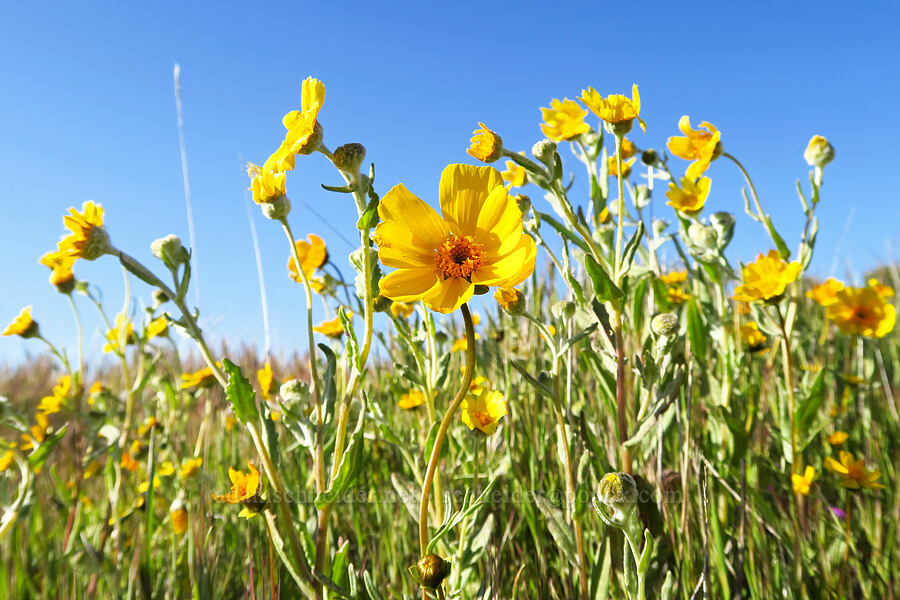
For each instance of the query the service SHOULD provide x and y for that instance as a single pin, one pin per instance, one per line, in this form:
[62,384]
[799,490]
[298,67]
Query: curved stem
[753,194]
[445,425]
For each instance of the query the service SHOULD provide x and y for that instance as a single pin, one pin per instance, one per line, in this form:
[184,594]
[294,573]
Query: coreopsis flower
[626,167]
[882,290]
[144,486]
[402,309]
[312,253]
[203,378]
[616,108]
[564,120]
[766,278]
[303,133]
[753,337]
[825,293]
[803,482]
[486,145]
[333,328]
[266,379]
[113,336]
[179,516]
[244,490]
[837,438]
[479,240]
[189,466]
[54,403]
[483,410]
[514,175]
[23,325]
[700,146]
[690,196]
[60,265]
[157,327]
[266,185]
[88,239]
[819,152]
[411,399]
[861,311]
[853,473]
[37,433]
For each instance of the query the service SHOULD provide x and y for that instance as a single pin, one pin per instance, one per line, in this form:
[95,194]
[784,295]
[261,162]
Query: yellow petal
[463,191]
[408,285]
[402,205]
[512,269]
[448,295]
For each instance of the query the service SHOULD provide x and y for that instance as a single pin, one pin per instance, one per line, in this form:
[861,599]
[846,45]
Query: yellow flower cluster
[766,278]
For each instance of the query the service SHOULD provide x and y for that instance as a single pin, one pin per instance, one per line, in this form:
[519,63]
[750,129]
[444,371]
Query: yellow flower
[752,336]
[819,152]
[157,327]
[144,486]
[411,399]
[266,185]
[511,300]
[691,196]
[803,482]
[302,136]
[564,120]
[266,378]
[767,278]
[853,473]
[148,425]
[166,469]
[676,295]
[128,463]
[53,404]
[203,378]
[479,240]
[38,433]
[837,438]
[179,516]
[402,309]
[189,466]
[244,488]
[614,172]
[883,290]
[60,265]
[702,147]
[514,174]
[615,108]
[486,145]
[88,239]
[23,325]
[674,277]
[312,253]
[113,335]
[628,148]
[6,460]
[332,328]
[483,410]
[861,311]
[826,293]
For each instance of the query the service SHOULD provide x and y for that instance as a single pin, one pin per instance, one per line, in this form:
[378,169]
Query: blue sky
[87,112]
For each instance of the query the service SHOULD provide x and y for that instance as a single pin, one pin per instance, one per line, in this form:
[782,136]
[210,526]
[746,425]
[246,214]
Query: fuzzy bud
[723,224]
[649,157]
[276,209]
[703,236]
[349,157]
[664,325]
[819,152]
[618,491]
[293,391]
[511,300]
[169,250]
[430,571]
[564,309]
[545,151]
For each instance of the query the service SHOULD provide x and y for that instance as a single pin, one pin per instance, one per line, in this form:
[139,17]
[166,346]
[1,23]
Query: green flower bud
[545,151]
[349,157]
[819,152]
[511,300]
[563,309]
[430,571]
[641,195]
[703,236]
[294,391]
[723,224]
[276,209]
[169,250]
[159,297]
[618,491]
[649,157]
[382,303]
[664,325]
[523,202]
[659,226]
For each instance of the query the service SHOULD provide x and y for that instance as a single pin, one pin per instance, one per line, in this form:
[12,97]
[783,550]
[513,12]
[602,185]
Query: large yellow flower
[266,185]
[479,240]
[203,378]
[615,108]
[861,311]
[312,253]
[483,410]
[825,293]
[54,403]
[302,136]
[853,473]
[486,145]
[690,196]
[23,325]
[564,120]
[767,278]
[700,146]
[88,239]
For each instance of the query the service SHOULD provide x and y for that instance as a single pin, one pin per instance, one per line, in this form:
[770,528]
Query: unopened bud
[723,223]
[276,209]
[664,325]
[641,195]
[349,157]
[618,491]
[293,391]
[703,236]
[169,250]
[649,157]
[430,571]
[523,202]
[160,297]
[564,309]
[544,151]
[383,303]
[819,152]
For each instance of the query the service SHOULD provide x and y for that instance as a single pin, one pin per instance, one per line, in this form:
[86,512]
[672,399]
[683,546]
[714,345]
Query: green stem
[445,425]
[753,194]
[620,213]
[80,373]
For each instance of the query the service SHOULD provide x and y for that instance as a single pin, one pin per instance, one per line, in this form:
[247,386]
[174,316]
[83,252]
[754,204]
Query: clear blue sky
[87,112]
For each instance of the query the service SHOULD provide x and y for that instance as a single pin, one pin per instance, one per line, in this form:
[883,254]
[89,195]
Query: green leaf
[576,338]
[560,530]
[604,288]
[536,384]
[329,392]
[343,189]
[563,231]
[809,406]
[369,218]
[696,330]
[779,241]
[240,393]
[631,248]
[37,458]
[351,466]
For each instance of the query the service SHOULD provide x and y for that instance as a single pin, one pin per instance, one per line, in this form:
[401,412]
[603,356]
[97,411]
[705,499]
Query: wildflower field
[513,397]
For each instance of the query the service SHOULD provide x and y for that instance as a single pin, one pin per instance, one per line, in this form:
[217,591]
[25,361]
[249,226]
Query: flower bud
[315,140]
[169,250]
[620,129]
[276,209]
[819,152]
[618,491]
[545,151]
[349,157]
[723,224]
[430,571]
[383,303]
[664,325]
[659,226]
[564,309]
[511,300]
[160,297]
[649,157]
[179,516]
[703,236]
[63,280]
[293,391]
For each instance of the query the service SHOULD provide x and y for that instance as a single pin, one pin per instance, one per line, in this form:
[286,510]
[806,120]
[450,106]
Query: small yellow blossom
[837,438]
[853,473]
[882,290]
[766,278]
[179,516]
[333,328]
[510,299]
[628,148]
[752,336]
[564,120]
[266,378]
[803,482]
[483,410]
[6,459]
[702,147]
[826,293]
[93,467]
[244,490]
[53,403]
[38,433]
[514,175]
[411,399]
[144,486]
[128,463]
[604,215]
[615,108]
[402,309]
[460,344]
[60,265]
[301,136]
[267,186]
[486,145]
[861,311]
[148,425]
[166,469]
[626,167]
[676,295]
[675,277]
[690,196]
[312,254]
[157,327]
[189,466]
[23,325]
[113,336]
[203,378]
[88,239]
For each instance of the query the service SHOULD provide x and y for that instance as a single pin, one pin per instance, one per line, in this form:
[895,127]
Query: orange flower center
[861,316]
[483,419]
[856,471]
[458,256]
